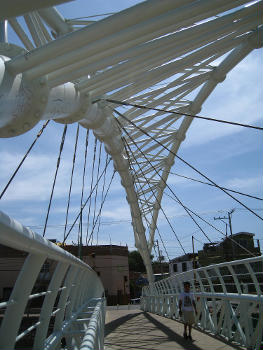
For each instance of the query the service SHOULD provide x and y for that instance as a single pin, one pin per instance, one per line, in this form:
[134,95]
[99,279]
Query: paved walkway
[134,329]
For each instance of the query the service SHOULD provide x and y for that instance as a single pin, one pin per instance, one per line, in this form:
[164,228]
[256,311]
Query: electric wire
[55,177]
[177,199]
[181,113]
[91,184]
[85,203]
[71,178]
[23,159]
[185,162]
[207,183]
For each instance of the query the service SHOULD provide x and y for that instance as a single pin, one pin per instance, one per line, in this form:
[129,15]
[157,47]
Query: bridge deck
[135,329]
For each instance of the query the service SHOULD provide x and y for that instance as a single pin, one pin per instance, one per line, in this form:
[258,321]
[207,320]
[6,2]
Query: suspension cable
[185,208]
[91,184]
[181,114]
[134,172]
[177,199]
[168,221]
[55,177]
[71,178]
[102,195]
[185,162]
[82,194]
[208,223]
[23,159]
[96,193]
[85,203]
[207,183]
[101,206]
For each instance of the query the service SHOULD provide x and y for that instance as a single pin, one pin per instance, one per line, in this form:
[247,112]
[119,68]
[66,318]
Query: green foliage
[135,262]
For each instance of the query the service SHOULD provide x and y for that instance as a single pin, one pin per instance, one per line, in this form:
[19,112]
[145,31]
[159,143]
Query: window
[175,267]
[184,266]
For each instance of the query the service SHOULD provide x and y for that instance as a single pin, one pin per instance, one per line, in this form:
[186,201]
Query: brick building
[109,261]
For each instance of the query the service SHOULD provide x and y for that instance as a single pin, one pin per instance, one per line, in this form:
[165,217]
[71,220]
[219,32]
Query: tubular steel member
[224,306]
[74,285]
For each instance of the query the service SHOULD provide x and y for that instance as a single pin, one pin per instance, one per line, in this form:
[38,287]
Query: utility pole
[193,252]
[229,220]
[161,265]
[231,233]
[229,217]
[224,218]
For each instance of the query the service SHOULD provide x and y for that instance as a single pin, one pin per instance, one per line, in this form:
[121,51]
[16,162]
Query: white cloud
[252,183]
[34,180]
[117,213]
[237,99]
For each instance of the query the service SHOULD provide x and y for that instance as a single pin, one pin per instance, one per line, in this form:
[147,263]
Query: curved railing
[70,303]
[228,296]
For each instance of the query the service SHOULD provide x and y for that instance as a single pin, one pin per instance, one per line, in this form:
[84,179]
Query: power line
[185,162]
[181,113]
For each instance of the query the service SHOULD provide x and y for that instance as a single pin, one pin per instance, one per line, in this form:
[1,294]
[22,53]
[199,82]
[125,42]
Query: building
[111,264]
[238,246]
[182,263]
[109,261]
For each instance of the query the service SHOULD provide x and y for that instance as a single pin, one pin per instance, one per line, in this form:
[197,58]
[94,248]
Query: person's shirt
[187,301]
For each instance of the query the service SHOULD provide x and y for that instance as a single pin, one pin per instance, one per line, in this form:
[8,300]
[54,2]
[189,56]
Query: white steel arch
[61,72]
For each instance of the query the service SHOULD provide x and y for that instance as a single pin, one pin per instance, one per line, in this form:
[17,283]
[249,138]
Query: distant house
[109,261]
[111,264]
[238,246]
[182,263]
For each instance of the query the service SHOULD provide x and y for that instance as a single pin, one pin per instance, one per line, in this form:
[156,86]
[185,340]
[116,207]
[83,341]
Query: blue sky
[229,155]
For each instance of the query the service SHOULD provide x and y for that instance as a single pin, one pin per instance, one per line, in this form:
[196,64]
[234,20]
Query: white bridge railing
[70,305]
[228,295]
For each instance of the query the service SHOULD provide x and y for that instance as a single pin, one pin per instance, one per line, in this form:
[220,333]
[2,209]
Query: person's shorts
[188,317]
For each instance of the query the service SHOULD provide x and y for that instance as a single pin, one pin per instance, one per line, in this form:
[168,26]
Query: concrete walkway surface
[135,329]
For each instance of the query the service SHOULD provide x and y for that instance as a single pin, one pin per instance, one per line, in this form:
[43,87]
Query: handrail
[71,291]
[229,299]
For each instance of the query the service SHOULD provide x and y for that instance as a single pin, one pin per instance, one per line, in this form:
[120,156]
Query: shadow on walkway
[145,331]
[141,331]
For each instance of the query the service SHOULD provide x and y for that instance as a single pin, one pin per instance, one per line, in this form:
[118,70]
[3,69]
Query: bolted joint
[22,101]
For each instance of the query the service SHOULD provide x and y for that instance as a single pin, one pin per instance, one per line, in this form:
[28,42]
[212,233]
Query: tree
[135,262]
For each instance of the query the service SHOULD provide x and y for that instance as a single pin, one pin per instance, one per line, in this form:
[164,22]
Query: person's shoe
[190,338]
[185,336]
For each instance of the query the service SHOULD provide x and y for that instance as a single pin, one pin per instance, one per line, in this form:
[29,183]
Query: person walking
[187,309]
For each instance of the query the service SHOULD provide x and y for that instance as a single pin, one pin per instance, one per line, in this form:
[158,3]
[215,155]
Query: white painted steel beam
[126,56]
[16,7]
